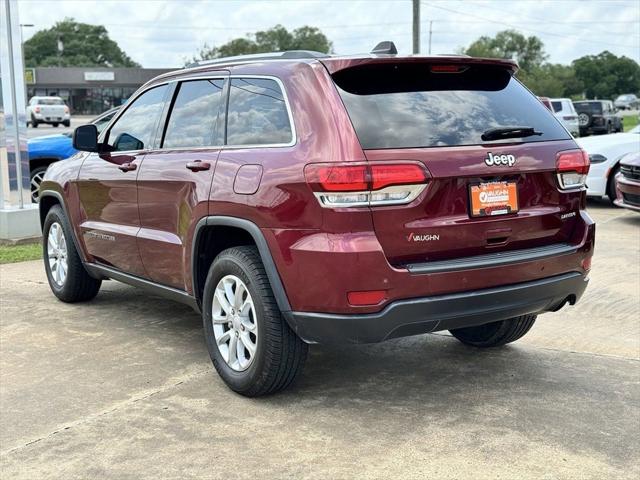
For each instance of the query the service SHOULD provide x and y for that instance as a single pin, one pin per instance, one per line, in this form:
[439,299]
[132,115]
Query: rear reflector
[572,167]
[586,264]
[356,185]
[370,297]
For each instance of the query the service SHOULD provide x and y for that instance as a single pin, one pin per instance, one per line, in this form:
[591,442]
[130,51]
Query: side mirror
[85,138]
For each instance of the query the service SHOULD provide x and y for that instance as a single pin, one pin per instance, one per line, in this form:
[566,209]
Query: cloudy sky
[164,33]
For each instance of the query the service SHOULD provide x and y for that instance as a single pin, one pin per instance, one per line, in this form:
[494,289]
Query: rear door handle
[128,167]
[198,166]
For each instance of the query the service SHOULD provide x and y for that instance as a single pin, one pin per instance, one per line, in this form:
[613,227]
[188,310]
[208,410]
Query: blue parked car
[43,151]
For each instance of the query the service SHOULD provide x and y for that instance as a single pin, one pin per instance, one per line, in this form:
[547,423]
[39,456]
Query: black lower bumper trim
[442,312]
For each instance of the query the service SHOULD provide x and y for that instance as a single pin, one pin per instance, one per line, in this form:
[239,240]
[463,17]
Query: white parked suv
[50,110]
[565,112]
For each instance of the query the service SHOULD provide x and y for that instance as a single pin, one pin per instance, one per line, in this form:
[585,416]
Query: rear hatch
[438,115]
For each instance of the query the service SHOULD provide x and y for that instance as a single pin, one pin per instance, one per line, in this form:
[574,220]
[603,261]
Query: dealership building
[88,91]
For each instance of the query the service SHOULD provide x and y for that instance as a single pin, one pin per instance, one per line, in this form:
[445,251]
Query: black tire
[34,122]
[55,125]
[611,184]
[78,286]
[67,123]
[495,334]
[36,178]
[280,353]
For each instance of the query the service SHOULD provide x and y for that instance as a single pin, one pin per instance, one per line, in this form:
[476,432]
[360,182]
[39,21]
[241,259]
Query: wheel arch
[50,198]
[233,231]
[42,162]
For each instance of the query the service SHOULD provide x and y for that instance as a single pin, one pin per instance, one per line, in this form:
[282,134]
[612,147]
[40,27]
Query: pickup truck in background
[50,110]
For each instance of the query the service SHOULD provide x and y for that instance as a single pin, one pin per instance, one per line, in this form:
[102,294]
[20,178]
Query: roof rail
[258,57]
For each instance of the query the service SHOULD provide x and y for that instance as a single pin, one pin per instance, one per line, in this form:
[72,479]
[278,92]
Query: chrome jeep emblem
[507,160]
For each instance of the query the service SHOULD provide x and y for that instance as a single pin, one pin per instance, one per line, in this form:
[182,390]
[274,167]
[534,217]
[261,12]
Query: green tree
[275,39]
[606,75]
[527,51]
[72,44]
[554,80]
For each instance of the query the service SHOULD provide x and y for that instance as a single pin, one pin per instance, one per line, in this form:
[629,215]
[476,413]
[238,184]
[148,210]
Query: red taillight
[586,264]
[369,297]
[66,109]
[573,161]
[572,167]
[386,175]
[37,109]
[363,184]
[340,178]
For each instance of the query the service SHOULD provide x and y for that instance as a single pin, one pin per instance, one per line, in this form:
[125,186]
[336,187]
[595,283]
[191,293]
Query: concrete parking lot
[122,387]
[45,129]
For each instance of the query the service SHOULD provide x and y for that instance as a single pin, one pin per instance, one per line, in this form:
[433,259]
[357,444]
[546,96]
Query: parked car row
[586,117]
[605,154]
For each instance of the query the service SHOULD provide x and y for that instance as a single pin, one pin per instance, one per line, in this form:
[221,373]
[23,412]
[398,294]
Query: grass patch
[20,253]
[629,122]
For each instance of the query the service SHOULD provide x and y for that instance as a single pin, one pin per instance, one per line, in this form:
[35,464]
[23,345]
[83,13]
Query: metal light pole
[416,26]
[18,216]
[22,27]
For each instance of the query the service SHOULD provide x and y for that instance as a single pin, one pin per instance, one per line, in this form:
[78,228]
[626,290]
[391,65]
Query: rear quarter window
[257,113]
[405,105]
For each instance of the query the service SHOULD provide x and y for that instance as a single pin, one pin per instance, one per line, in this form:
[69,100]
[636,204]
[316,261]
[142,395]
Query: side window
[103,121]
[135,129]
[257,113]
[193,121]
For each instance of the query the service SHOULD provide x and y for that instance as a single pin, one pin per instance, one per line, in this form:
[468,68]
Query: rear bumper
[443,312]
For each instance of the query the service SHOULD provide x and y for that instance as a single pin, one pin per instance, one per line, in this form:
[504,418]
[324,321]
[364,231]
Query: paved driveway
[122,387]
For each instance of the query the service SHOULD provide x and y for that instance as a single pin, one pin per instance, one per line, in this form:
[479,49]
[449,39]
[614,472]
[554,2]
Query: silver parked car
[628,101]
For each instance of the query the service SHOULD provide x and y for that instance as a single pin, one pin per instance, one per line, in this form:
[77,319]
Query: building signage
[29,76]
[99,76]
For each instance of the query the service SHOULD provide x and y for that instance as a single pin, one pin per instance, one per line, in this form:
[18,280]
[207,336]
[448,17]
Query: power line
[529,29]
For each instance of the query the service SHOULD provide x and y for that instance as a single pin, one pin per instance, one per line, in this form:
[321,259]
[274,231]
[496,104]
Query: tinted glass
[194,115]
[50,101]
[557,106]
[406,105]
[589,107]
[135,129]
[257,113]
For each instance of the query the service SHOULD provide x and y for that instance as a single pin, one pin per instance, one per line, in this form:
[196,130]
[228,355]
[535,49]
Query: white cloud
[164,33]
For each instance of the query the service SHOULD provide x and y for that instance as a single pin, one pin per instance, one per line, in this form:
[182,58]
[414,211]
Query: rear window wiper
[509,132]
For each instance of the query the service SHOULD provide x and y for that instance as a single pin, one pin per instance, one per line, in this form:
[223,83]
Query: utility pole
[430,33]
[416,26]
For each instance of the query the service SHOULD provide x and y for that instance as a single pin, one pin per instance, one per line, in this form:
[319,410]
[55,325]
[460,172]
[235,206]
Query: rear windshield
[408,106]
[591,107]
[557,106]
[50,101]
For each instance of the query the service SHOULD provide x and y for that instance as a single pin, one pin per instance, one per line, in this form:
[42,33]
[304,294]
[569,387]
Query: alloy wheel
[36,180]
[234,323]
[57,253]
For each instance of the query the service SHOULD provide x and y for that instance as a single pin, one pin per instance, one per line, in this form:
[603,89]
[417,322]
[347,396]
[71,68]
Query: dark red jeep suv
[297,198]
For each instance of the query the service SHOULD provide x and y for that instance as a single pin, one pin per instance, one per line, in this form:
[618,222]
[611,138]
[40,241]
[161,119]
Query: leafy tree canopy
[527,51]
[72,44]
[606,75]
[275,39]
[602,76]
